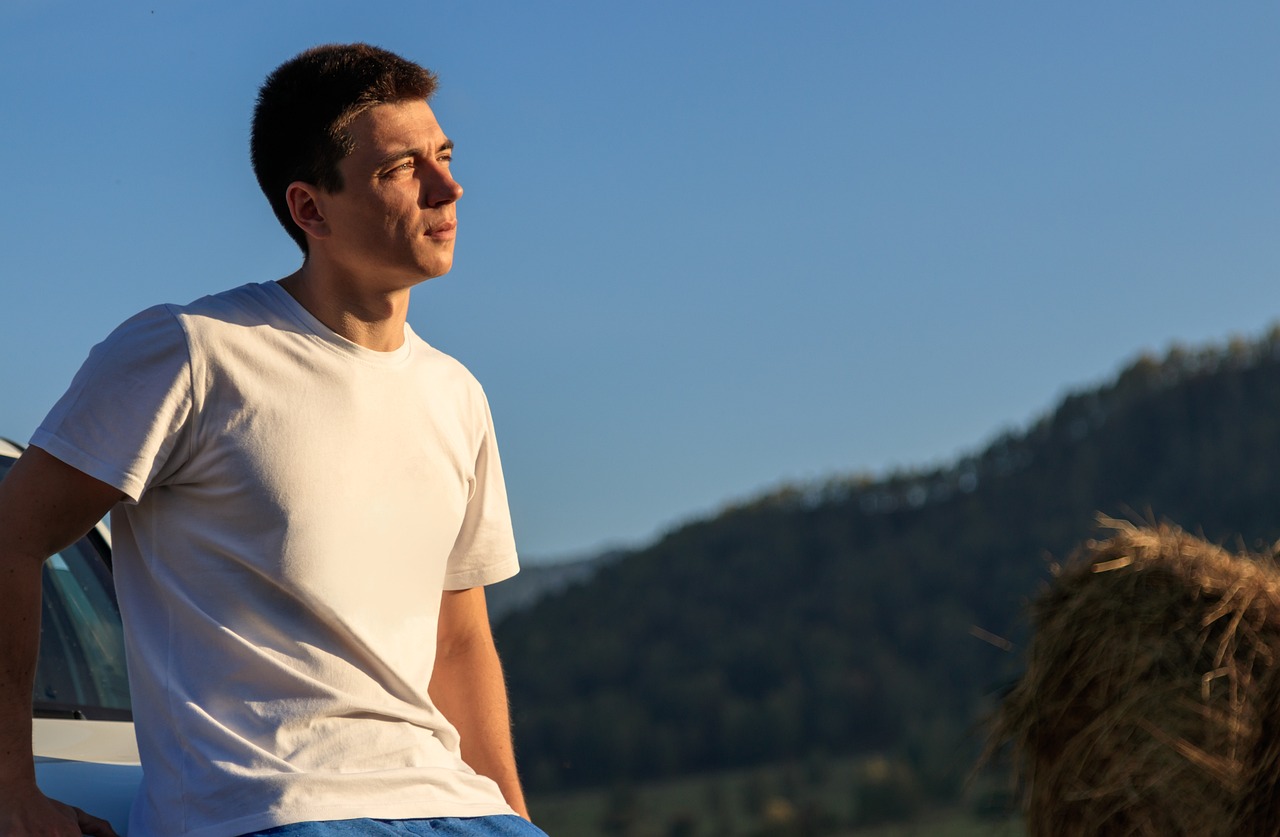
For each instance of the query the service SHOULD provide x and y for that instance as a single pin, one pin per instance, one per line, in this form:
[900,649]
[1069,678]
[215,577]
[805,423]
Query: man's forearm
[24,809]
[468,687]
[20,627]
[44,506]
[479,712]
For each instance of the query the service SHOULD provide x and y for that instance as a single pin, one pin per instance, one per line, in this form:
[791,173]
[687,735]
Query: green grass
[953,824]
[835,798]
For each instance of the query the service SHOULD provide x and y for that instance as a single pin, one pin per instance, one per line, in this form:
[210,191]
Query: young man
[307,502]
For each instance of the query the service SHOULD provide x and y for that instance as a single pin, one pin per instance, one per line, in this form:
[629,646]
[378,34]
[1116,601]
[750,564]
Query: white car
[86,754]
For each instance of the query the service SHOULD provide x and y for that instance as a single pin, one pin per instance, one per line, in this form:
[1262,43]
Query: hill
[537,581]
[867,615]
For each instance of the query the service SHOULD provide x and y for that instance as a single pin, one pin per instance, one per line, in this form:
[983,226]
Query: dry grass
[1149,703]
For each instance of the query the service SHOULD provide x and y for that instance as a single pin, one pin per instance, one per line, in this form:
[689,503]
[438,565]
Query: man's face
[393,223]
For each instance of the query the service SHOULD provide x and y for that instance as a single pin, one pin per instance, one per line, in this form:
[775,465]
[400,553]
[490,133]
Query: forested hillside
[869,615]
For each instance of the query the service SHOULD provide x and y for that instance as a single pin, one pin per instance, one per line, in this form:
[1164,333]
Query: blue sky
[705,248]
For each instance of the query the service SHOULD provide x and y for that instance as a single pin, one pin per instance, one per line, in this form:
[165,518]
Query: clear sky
[705,247]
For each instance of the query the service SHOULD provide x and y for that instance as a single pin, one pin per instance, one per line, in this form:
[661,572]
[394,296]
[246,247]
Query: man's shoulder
[255,297]
[238,311]
[442,363]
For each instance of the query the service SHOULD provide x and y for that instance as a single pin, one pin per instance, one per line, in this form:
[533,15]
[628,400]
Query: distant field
[946,825]
[866,798]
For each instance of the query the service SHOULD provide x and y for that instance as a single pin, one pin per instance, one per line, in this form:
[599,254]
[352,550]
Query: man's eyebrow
[447,145]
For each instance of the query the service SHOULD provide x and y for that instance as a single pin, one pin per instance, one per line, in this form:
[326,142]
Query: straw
[1150,699]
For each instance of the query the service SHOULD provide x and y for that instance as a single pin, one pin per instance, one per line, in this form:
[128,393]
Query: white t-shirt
[298,503]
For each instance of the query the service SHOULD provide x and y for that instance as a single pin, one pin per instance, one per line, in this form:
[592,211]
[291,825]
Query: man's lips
[442,231]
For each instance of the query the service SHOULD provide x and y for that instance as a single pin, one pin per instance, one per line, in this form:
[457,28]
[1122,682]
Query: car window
[81,669]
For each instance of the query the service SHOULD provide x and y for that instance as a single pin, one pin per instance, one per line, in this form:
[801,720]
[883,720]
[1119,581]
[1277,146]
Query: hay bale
[1150,701]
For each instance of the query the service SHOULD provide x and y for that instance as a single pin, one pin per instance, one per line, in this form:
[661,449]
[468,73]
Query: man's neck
[372,319]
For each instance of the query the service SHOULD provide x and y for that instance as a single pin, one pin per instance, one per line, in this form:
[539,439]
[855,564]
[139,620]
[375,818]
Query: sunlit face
[394,221]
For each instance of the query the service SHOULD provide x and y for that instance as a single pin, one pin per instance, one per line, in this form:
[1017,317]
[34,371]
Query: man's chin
[436,264]
[432,272]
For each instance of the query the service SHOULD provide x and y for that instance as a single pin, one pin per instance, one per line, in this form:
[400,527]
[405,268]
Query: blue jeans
[499,826]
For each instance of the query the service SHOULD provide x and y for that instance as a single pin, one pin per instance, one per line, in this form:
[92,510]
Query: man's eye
[394,170]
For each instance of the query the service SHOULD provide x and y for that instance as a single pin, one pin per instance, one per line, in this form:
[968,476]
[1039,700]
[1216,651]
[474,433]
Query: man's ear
[305,207]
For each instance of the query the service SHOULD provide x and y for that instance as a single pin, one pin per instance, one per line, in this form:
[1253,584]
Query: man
[307,503]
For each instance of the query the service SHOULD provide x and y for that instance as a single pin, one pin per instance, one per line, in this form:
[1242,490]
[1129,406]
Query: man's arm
[467,686]
[45,505]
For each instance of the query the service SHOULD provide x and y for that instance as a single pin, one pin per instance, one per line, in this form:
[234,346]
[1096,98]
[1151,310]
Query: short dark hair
[305,107]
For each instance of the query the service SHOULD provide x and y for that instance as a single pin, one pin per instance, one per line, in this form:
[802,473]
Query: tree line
[866,615]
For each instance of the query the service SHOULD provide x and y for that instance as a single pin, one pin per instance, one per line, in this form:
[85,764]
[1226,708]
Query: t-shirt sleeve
[485,550]
[124,418]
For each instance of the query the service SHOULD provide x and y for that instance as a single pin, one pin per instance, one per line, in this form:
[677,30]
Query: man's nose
[440,188]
